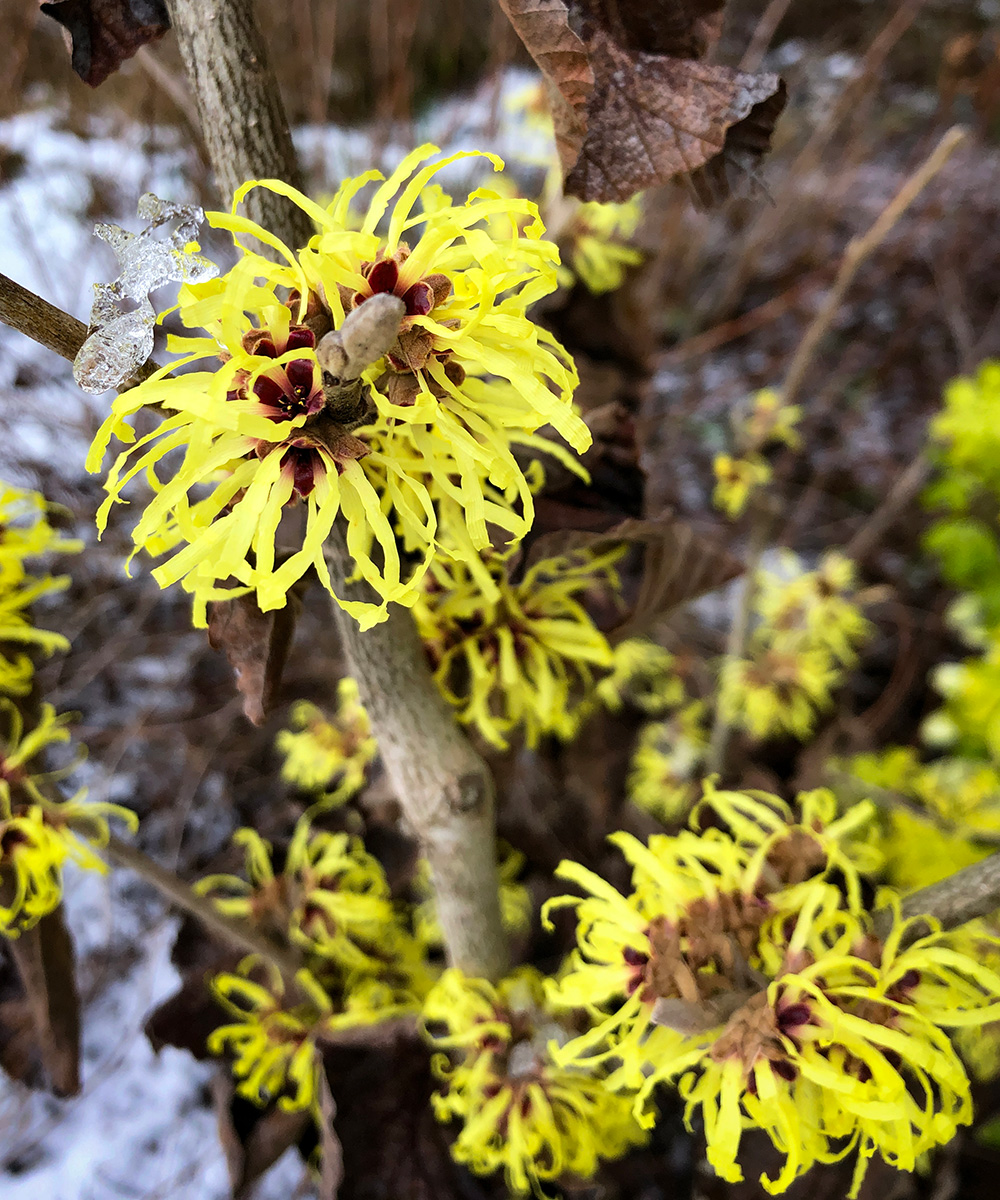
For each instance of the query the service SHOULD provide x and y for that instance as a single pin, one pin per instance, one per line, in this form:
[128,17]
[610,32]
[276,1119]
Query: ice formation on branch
[122,316]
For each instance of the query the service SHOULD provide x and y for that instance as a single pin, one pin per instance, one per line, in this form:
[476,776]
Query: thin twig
[968,894]
[858,250]
[813,157]
[42,322]
[901,495]
[236,933]
[765,31]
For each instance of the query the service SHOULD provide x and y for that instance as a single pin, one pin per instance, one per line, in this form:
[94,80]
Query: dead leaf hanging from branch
[637,106]
[106,32]
[257,645]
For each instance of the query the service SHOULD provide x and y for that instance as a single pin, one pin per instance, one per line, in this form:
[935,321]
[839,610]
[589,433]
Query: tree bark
[243,120]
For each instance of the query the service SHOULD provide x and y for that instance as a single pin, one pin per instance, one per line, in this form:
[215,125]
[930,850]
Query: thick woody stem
[443,786]
[243,120]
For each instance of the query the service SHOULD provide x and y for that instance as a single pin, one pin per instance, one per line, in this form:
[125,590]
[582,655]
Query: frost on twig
[122,316]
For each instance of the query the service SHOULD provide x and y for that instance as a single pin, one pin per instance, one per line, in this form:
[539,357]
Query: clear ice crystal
[122,316]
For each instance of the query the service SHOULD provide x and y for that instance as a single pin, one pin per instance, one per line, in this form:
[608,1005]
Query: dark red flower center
[383,276]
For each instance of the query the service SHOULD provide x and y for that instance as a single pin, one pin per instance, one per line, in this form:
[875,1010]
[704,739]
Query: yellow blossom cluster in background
[330,901]
[809,625]
[39,833]
[519,656]
[329,755]
[766,421]
[518,1110]
[27,534]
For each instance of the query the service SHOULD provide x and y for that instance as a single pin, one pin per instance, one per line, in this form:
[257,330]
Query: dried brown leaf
[106,32]
[651,117]
[632,104]
[252,1139]
[257,645]
[45,963]
[543,26]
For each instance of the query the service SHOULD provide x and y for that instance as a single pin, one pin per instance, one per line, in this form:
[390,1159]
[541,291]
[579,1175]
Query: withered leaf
[106,32]
[331,1171]
[257,645]
[678,565]
[543,26]
[651,117]
[634,105]
[252,1139]
[45,963]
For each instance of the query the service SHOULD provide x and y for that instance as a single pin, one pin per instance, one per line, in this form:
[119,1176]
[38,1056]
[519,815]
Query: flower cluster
[764,422]
[37,833]
[665,775]
[522,655]
[27,533]
[643,676]
[267,425]
[743,967]
[520,1110]
[331,901]
[330,755]
[596,239]
[809,626]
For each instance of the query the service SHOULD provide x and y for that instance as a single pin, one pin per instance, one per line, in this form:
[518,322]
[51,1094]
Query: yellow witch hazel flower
[331,899]
[273,1039]
[267,426]
[597,239]
[643,676]
[37,834]
[520,1111]
[773,692]
[329,755]
[736,970]
[819,609]
[763,421]
[696,896]
[810,625]
[665,775]
[521,655]
[25,532]
[736,480]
